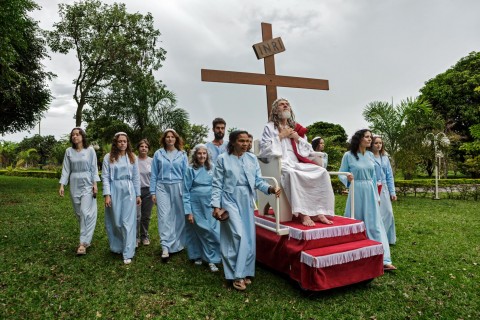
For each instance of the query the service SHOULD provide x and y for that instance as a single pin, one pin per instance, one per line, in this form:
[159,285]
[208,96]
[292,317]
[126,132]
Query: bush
[464,189]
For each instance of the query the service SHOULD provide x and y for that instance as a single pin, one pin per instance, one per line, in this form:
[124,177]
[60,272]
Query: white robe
[307,186]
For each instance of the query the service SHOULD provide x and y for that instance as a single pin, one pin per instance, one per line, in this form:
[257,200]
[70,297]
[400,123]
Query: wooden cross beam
[269,79]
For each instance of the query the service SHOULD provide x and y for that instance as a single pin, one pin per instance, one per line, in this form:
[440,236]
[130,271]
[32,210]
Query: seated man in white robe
[306,184]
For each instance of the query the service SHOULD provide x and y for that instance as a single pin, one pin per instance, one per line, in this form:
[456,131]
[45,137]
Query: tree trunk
[79,113]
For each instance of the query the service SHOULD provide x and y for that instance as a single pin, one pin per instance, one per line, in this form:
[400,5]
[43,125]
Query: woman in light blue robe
[384,174]
[121,189]
[80,169]
[236,176]
[166,186]
[360,163]
[203,230]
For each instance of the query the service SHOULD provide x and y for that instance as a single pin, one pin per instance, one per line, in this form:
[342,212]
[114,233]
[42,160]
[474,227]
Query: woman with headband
[203,231]
[121,190]
[80,169]
[166,186]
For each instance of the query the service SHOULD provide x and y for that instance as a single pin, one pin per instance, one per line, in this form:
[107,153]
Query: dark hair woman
[144,212]
[80,169]
[235,178]
[360,163]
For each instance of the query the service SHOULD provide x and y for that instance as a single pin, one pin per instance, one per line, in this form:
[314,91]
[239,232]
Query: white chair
[272,169]
[282,208]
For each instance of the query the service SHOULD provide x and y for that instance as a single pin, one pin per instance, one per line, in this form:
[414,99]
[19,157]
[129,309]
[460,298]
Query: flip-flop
[389,267]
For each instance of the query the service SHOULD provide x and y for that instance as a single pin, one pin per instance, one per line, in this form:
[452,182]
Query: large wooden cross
[265,50]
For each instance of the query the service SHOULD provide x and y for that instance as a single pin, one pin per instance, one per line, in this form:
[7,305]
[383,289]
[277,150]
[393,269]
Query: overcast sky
[368,50]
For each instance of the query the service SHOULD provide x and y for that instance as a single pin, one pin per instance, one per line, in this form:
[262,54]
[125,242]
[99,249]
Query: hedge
[465,189]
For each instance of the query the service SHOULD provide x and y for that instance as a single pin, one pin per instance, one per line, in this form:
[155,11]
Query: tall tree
[111,46]
[24,95]
[455,95]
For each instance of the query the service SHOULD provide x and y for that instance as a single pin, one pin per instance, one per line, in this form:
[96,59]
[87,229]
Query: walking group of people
[208,206]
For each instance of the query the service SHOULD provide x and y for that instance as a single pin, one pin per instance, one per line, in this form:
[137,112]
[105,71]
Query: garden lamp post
[437,139]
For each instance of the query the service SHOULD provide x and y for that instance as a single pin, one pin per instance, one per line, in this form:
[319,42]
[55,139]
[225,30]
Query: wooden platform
[320,257]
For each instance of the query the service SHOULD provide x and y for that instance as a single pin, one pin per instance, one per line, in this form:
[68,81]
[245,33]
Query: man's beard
[218,135]
[285,114]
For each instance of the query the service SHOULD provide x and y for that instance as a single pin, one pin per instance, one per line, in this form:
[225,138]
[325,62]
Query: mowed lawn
[438,256]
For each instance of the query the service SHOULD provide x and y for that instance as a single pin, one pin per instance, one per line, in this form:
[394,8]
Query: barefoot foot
[306,221]
[322,219]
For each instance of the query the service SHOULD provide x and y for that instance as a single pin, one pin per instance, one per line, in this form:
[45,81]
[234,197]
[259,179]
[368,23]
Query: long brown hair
[84,138]
[381,151]
[115,152]
[178,140]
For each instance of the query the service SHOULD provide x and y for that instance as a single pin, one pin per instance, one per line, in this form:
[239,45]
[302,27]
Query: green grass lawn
[438,256]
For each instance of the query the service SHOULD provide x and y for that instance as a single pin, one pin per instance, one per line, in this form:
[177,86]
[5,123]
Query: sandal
[247,281]
[239,284]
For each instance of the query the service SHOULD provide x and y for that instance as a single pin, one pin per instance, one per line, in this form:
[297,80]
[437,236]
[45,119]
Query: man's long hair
[275,114]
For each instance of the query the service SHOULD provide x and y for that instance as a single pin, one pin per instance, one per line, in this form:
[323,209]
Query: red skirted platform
[320,257]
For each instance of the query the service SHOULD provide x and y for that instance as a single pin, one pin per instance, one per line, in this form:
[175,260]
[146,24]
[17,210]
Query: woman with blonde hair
[166,186]
[383,170]
[121,190]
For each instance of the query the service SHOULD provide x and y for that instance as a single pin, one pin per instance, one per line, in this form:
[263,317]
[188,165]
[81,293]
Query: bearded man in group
[306,184]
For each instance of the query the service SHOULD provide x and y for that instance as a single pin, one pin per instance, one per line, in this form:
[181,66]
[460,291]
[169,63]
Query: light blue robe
[80,169]
[203,236]
[366,197]
[384,174]
[121,180]
[234,182]
[215,151]
[166,182]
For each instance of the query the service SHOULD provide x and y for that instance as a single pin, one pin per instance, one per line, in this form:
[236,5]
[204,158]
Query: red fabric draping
[301,132]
